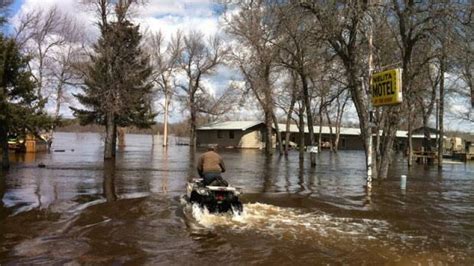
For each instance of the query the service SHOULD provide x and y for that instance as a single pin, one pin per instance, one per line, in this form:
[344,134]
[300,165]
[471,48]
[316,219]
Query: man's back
[211,162]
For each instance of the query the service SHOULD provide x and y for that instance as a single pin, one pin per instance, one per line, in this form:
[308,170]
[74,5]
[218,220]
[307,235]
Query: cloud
[73,9]
[185,8]
[169,25]
[167,16]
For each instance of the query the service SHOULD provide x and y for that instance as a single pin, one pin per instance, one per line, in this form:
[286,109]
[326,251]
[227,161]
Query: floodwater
[78,211]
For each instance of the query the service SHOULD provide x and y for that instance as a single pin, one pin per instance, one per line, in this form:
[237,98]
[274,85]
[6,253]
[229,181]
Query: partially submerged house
[349,137]
[251,134]
[233,134]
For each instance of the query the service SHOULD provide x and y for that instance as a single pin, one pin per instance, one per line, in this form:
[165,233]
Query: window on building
[231,134]
[219,134]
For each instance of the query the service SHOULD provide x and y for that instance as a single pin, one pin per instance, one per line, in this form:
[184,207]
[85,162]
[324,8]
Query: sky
[168,16]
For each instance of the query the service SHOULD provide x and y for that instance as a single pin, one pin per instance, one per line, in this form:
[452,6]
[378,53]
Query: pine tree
[117,89]
[20,110]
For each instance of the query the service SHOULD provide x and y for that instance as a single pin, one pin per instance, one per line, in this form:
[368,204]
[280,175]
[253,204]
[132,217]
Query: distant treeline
[180,129]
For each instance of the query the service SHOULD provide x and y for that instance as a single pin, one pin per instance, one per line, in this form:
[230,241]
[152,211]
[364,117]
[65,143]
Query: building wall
[417,143]
[346,142]
[253,139]
[250,139]
[350,142]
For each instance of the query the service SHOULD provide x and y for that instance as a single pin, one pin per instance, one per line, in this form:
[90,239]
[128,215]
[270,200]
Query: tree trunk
[340,113]
[410,146]
[192,124]
[278,134]
[472,96]
[387,145]
[320,132]
[4,212]
[58,101]
[336,139]
[110,136]
[426,133]
[330,131]
[165,122]
[109,181]
[4,147]
[59,96]
[288,118]
[56,112]
[268,134]
[302,135]
[410,133]
[441,114]
[309,116]
[114,140]
[192,135]
[287,138]
[121,136]
[361,103]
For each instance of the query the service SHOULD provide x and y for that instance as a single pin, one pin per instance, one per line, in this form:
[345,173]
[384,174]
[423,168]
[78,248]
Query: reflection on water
[79,209]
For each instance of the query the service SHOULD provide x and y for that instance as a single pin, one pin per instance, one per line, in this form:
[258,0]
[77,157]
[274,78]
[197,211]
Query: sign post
[385,89]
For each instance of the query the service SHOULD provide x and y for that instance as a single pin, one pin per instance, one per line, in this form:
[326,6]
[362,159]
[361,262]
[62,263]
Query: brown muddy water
[77,211]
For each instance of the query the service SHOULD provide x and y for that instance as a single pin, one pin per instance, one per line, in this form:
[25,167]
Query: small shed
[233,134]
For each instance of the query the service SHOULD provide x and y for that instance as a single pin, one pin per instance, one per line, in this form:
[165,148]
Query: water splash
[290,223]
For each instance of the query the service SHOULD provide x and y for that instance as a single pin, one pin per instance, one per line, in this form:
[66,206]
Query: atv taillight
[220,197]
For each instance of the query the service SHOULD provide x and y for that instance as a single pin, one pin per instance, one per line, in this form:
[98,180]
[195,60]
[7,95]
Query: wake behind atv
[216,197]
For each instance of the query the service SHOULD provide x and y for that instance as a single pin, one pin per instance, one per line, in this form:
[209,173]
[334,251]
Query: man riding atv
[213,192]
[210,166]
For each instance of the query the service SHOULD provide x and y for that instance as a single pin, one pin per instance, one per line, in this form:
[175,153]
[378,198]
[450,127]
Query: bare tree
[286,99]
[165,60]
[198,59]
[216,105]
[341,103]
[40,34]
[64,73]
[255,55]
[299,46]
[463,52]
[341,26]
[428,83]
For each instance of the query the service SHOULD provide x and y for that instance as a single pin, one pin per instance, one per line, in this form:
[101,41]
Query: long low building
[251,135]
[233,134]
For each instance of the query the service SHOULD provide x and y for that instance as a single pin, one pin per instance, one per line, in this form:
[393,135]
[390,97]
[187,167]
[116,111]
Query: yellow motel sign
[386,87]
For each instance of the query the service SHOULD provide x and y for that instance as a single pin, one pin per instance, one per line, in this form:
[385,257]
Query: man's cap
[212,147]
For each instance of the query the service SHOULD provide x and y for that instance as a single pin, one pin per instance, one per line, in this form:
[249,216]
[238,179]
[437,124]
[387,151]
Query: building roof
[346,131]
[244,125]
[230,125]
[421,130]
[324,129]
[404,134]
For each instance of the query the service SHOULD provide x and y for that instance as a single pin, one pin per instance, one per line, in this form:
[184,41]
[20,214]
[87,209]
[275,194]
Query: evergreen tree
[20,110]
[117,89]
